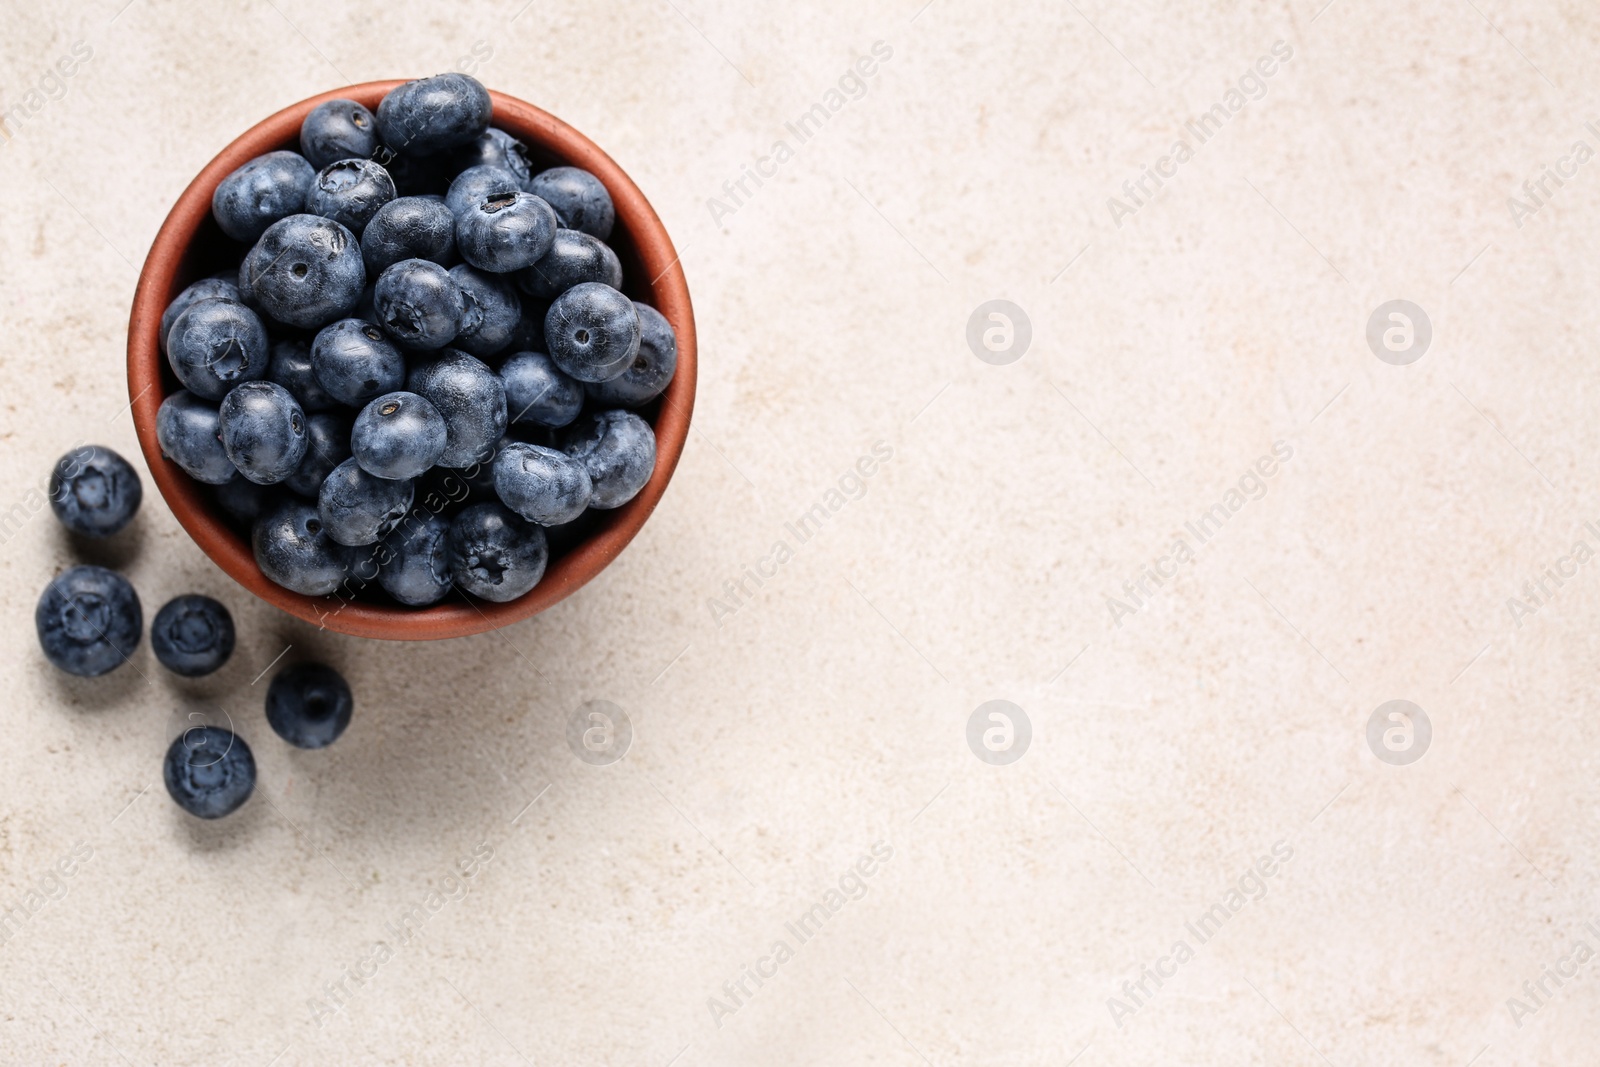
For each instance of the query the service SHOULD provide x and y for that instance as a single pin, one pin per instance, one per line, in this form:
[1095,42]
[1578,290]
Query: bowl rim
[461,616]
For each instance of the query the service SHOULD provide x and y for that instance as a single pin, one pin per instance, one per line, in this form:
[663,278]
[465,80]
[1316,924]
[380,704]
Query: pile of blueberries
[90,621]
[421,371]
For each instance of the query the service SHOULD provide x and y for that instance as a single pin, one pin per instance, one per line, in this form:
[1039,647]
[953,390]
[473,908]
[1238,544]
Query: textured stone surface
[776,739]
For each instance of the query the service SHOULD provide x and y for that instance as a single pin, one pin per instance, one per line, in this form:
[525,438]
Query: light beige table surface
[784,732]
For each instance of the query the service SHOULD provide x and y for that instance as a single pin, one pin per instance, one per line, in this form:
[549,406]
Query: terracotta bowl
[190,246]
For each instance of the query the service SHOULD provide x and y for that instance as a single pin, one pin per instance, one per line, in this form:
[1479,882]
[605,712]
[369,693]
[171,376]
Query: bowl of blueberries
[412,360]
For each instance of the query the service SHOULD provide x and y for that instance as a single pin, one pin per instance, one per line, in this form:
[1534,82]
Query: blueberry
[569,535]
[309,705]
[412,227]
[472,400]
[431,115]
[503,232]
[417,571]
[355,362]
[416,175]
[574,258]
[494,554]
[541,484]
[477,182]
[186,428]
[94,491]
[244,499]
[192,635]
[619,450]
[327,446]
[204,289]
[419,304]
[398,435]
[350,192]
[495,148]
[357,508]
[647,377]
[258,194]
[89,621]
[290,367]
[214,345]
[491,311]
[593,332]
[292,549]
[209,771]
[538,392]
[578,198]
[305,271]
[338,129]
[263,430]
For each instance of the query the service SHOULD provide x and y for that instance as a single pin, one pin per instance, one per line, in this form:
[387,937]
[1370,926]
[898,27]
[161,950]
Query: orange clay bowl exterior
[190,246]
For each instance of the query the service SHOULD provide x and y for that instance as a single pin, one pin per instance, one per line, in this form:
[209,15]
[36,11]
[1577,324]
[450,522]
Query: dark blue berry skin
[245,500]
[578,198]
[538,392]
[397,436]
[215,345]
[350,192]
[494,554]
[355,362]
[338,129]
[417,572]
[204,289]
[192,635]
[89,621]
[495,148]
[433,115]
[619,450]
[359,509]
[263,431]
[305,271]
[209,772]
[416,175]
[472,400]
[574,258]
[592,332]
[412,227]
[476,183]
[504,232]
[290,367]
[264,190]
[652,369]
[419,304]
[309,705]
[529,333]
[186,427]
[491,311]
[327,446]
[292,549]
[94,491]
[541,484]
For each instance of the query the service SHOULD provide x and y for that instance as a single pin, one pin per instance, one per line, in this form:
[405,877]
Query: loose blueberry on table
[94,491]
[192,635]
[209,771]
[424,360]
[309,705]
[89,621]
